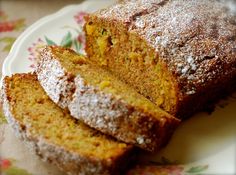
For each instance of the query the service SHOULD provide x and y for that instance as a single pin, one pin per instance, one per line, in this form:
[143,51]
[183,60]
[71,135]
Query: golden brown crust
[107,112]
[67,160]
[195,39]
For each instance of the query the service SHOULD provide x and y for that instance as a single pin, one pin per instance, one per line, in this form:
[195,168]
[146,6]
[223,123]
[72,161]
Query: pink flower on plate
[79,17]
[9,26]
[35,49]
[5,163]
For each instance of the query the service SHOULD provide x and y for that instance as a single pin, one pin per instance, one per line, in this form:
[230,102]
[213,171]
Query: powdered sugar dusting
[74,162]
[128,10]
[109,114]
[104,111]
[196,38]
[56,82]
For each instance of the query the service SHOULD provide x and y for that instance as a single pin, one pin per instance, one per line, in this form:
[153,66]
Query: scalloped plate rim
[6,68]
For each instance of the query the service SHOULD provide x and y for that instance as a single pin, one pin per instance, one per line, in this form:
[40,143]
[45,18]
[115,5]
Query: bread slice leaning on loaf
[57,137]
[99,99]
[180,54]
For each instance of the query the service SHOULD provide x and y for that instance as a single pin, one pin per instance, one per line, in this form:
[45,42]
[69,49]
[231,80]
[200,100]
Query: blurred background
[17,15]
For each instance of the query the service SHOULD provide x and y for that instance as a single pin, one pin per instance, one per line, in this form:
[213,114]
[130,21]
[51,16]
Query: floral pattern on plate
[76,41]
[197,145]
[7,26]
[8,167]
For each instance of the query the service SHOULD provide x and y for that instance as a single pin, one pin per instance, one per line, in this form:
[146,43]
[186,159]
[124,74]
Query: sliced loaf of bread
[99,99]
[180,54]
[54,135]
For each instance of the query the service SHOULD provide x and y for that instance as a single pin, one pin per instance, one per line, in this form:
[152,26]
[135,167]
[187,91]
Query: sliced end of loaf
[102,101]
[128,56]
[54,135]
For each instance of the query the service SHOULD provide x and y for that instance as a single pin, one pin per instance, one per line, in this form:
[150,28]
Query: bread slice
[57,137]
[179,54]
[99,99]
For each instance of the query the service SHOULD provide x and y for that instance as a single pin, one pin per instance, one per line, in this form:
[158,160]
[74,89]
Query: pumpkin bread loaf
[180,54]
[54,135]
[99,99]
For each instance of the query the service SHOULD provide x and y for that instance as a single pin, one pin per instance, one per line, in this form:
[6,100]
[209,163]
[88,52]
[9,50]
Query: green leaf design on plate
[197,169]
[76,46]
[8,43]
[49,42]
[67,40]
[16,171]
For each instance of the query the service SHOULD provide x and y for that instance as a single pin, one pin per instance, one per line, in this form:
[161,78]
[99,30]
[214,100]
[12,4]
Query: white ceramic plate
[205,144]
